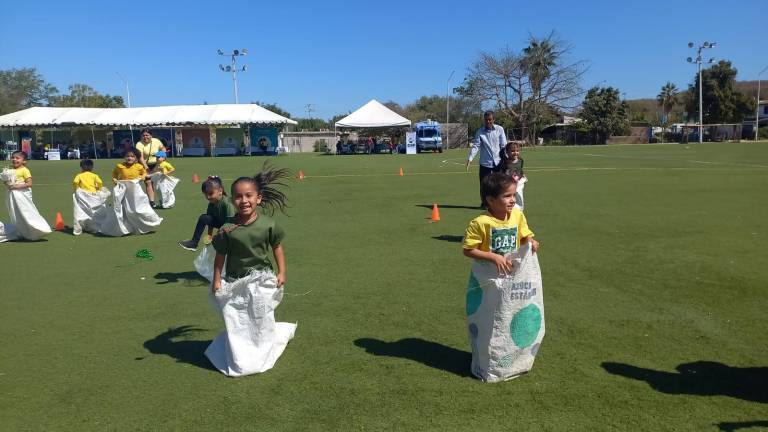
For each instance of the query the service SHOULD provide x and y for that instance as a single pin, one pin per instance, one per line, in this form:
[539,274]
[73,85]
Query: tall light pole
[698,60]
[233,67]
[757,108]
[448,110]
[128,92]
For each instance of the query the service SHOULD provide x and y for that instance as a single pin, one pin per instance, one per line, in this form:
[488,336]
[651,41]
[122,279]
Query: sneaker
[188,245]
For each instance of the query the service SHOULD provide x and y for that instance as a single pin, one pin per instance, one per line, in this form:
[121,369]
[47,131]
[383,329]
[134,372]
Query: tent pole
[93,138]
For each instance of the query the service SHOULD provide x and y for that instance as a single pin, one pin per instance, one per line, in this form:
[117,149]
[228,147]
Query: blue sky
[338,55]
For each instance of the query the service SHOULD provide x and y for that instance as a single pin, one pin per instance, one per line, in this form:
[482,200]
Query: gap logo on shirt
[503,240]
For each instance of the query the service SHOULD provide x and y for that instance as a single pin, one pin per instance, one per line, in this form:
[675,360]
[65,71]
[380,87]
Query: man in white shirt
[489,141]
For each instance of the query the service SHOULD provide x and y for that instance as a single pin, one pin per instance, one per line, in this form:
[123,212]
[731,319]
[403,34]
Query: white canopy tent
[174,115]
[373,115]
[161,116]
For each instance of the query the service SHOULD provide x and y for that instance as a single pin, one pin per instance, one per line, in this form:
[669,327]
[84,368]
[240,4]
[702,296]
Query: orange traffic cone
[435,213]
[300,176]
[195,179]
[401,172]
[59,222]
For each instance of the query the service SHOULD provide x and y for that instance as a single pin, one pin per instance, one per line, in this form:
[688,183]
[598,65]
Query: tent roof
[224,114]
[372,115]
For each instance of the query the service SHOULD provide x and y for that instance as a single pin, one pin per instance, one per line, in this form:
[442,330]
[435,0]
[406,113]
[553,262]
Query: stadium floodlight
[699,61]
[233,67]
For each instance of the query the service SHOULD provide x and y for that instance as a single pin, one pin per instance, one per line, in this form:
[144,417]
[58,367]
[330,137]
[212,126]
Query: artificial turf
[654,266]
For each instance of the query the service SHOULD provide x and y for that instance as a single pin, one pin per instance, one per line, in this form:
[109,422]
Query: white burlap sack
[26,220]
[252,341]
[505,317]
[519,203]
[8,233]
[204,263]
[85,205]
[130,212]
[164,186]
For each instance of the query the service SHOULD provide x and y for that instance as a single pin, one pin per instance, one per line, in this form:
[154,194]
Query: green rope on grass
[144,254]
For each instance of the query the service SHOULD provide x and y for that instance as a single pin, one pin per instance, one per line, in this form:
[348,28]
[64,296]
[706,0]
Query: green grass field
[654,267]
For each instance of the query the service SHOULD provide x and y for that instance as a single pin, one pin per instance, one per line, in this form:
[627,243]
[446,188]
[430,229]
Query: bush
[320,146]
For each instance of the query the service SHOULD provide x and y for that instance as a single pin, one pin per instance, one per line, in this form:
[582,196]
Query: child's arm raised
[503,265]
[280,260]
[218,264]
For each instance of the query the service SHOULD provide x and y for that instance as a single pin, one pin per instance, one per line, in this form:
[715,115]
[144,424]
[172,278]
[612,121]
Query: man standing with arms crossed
[489,141]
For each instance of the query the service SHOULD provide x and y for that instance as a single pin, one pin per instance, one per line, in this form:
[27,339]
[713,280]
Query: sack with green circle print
[505,316]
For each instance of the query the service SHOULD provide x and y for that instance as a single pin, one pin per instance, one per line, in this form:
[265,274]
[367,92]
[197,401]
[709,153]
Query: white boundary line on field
[677,160]
[539,169]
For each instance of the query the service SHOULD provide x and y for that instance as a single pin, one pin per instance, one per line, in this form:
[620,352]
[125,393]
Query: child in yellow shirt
[162,163]
[88,198]
[23,178]
[25,221]
[163,181]
[130,169]
[86,179]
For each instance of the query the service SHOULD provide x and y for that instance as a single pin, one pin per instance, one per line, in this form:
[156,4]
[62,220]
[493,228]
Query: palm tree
[538,59]
[667,100]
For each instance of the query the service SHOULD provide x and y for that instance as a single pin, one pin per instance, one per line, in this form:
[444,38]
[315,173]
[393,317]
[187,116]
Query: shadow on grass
[184,351]
[701,378]
[449,238]
[448,206]
[431,354]
[188,277]
[734,426]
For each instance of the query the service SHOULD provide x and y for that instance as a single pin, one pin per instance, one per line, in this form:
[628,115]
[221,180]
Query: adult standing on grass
[489,141]
[148,148]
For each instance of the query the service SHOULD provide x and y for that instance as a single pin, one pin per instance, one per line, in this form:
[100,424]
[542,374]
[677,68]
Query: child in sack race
[504,300]
[245,288]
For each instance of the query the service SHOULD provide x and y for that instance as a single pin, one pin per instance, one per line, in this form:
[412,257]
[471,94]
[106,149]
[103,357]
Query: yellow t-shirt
[149,150]
[489,234]
[22,174]
[87,181]
[165,167]
[123,172]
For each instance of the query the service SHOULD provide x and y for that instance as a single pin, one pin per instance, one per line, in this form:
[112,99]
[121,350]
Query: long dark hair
[266,183]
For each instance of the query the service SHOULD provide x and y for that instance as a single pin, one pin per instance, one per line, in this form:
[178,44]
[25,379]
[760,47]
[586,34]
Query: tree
[312,124]
[82,95]
[525,85]
[274,108]
[23,88]
[604,113]
[722,103]
[667,98]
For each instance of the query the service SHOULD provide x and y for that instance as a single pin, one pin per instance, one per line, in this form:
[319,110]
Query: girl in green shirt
[245,240]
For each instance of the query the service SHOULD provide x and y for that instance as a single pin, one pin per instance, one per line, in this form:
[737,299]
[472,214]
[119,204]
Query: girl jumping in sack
[246,239]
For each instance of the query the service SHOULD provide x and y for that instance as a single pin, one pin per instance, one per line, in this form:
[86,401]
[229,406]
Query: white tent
[175,115]
[373,115]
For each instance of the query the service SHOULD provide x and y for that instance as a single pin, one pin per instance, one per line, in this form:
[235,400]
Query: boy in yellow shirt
[162,163]
[86,179]
[163,181]
[502,228]
[88,199]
